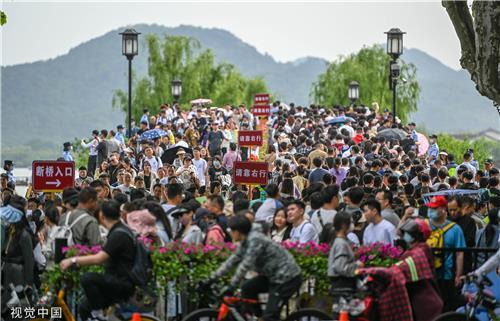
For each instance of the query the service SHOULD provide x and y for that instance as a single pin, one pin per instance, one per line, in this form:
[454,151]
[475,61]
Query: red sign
[261,99]
[52,175]
[250,138]
[261,110]
[251,173]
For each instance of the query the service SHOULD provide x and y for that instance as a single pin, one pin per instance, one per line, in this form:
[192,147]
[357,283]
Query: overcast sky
[286,31]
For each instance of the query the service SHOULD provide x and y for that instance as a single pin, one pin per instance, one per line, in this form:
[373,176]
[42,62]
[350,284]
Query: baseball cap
[433,136]
[488,161]
[437,201]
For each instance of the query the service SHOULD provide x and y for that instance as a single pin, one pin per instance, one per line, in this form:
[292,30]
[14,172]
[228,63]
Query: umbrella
[340,119]
[152,134]
[200,101]
[392,133]
[451,192]
[170,154]
[423,144]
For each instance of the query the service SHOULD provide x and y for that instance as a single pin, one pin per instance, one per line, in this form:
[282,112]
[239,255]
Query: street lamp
[130,48]
[353,92]
[394,50]
[176,89]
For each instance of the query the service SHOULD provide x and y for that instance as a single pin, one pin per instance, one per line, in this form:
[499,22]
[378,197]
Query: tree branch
[462,22]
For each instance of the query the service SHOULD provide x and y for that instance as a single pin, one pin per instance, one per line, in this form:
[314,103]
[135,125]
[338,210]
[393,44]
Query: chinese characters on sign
[28,313]
[252,173]
[52,175]
[250,138]
[261,99]
[261,110]
[261,105]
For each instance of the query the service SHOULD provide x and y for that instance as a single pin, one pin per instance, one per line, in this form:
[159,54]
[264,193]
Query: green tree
[370,68]
[181,57]
[483,148]
[3,18]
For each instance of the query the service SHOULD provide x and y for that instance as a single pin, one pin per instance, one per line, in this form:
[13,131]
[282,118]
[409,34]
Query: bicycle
[118,312]
[231,309]
[478,302]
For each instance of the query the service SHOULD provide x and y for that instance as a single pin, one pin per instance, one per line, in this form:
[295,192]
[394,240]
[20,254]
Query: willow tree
[479,35]
[182,58]
[370,68]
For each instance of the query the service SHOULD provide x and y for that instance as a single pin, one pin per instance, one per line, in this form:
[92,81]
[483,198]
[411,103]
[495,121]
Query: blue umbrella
[340,119]
[153,134]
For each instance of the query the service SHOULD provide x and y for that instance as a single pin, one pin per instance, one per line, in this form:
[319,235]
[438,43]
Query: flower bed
[188,264]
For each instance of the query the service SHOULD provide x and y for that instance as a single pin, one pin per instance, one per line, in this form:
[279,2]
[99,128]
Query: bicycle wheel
[309,315]
[453,316]
[202,315]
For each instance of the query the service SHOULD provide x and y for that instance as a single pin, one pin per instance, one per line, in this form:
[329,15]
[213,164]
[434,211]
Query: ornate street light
[176,89]
[394,50]
[130,48]
[353,92]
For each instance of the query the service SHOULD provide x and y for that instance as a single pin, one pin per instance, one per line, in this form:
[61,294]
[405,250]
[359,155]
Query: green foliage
[483,148]
[370,68]
[180,57]
[80,154]
[3,18]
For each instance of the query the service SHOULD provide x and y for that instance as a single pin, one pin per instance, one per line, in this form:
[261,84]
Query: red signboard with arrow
[52,176]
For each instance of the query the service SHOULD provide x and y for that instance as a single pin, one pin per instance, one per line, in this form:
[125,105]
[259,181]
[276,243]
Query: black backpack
[142,271]
[328,232]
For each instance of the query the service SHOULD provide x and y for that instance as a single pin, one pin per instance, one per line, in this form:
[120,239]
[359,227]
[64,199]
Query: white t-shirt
[265,213]
[383,232]
[327,217]
[155,163]
[304,233]
[201,166]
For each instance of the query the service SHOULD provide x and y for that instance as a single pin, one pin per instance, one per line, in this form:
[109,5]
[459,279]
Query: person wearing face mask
[216,170]
[188,232]
[417,266]
[341,261]
[449,273]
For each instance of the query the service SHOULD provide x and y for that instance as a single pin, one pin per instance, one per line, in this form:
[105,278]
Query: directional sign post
[52,176]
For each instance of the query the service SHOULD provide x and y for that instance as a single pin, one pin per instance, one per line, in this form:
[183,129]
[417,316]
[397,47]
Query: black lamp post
[394,50]
[176,89]
[130,48]
[353,92]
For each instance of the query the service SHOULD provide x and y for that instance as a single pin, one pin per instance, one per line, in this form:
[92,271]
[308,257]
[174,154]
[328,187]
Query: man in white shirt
[326,213]
[153,160]
[303,230]
[201,168]
[379,230]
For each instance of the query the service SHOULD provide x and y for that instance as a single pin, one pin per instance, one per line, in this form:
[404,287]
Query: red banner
[251,173]
[52,175]
[250,138]
[261,110]
[261,99]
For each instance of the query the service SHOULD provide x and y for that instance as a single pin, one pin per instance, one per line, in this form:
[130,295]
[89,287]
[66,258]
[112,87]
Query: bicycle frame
[229,305]
[65,309]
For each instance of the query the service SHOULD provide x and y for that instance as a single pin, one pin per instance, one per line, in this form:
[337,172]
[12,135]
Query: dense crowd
[341,175]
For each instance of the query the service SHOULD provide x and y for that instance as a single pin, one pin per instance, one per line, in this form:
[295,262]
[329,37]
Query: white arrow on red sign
[57,183]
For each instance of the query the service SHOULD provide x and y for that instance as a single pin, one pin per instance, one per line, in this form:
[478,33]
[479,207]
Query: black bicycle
[232,309]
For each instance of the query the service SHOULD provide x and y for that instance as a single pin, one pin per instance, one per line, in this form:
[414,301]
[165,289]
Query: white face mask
[29,213]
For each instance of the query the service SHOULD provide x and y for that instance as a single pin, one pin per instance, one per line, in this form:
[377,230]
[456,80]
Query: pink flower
[162,250]
[65,249]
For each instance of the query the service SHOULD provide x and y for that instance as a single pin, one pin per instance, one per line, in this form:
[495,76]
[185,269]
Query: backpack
[141,275]
[64,232]
[327,233]
[436,241]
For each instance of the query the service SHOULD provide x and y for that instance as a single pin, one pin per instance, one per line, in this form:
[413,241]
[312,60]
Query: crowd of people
[337,175]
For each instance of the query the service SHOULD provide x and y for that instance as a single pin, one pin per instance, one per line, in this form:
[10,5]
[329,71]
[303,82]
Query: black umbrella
[392,133]
[170,154]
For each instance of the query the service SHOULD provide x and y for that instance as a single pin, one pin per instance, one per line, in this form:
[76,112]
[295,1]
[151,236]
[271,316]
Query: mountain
[45,103]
